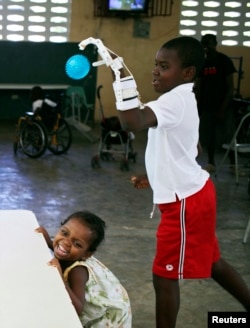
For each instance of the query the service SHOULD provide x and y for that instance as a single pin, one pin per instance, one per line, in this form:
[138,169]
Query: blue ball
[77,67]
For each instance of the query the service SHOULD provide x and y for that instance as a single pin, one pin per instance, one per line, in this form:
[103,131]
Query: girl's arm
[77,278]
[46,236]
[75,285]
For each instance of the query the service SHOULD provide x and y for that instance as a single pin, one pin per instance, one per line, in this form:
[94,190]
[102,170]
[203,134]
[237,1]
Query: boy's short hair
[190,51]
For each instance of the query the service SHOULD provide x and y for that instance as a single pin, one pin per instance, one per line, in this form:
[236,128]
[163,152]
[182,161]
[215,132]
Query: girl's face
[72,241]
[168,72]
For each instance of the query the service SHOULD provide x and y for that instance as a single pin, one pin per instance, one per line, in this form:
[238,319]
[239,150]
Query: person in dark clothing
[44,107]
[214,91]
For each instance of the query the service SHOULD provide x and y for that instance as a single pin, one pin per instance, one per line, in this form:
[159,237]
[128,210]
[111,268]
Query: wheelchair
[34,135]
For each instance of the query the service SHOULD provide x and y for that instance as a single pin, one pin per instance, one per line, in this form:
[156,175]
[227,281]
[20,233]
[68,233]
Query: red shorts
[186,242]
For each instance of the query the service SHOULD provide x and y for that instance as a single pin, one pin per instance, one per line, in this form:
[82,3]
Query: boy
[187,246]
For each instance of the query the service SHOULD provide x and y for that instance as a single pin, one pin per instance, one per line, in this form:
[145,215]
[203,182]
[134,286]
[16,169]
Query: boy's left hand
[140,181]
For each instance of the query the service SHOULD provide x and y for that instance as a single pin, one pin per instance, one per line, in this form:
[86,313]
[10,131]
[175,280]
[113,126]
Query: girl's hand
[41,229]
[46,236]
[140,181]
[55,263]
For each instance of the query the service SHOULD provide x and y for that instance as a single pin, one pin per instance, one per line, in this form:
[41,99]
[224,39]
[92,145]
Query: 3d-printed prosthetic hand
[125,89]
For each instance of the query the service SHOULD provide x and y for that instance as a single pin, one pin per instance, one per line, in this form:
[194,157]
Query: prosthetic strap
[126,93]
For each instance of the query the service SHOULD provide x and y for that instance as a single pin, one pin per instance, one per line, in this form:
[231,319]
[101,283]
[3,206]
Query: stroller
[113,140]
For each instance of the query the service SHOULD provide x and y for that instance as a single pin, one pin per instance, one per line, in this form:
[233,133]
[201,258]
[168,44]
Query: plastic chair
[78,111]
[236,147]
[77,104]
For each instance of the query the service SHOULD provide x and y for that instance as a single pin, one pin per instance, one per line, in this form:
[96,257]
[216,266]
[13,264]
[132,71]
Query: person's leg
[167,296]
[228,278]
[207,133]
[210,154]
[228,132]
[211,147]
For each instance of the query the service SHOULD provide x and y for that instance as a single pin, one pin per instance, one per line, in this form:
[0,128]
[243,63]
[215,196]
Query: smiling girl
[97,295]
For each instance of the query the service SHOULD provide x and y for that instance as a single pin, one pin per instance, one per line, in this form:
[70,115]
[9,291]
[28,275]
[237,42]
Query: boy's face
[72,241]
[168,72]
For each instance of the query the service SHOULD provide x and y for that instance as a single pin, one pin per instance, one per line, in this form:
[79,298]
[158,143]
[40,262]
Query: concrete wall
[138,53]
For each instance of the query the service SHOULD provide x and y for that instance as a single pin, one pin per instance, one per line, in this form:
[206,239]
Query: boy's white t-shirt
[171,151]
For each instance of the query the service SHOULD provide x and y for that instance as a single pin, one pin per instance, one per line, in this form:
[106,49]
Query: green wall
[24,64]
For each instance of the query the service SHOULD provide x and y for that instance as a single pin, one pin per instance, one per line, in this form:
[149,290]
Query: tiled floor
[55,186]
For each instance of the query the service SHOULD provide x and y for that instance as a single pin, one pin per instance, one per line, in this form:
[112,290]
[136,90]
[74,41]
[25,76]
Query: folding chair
[246,231]
[236,147]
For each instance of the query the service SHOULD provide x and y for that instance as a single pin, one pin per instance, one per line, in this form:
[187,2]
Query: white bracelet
[126,93]
[128,104]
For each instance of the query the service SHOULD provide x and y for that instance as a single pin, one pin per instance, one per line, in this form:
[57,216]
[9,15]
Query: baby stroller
[113,140]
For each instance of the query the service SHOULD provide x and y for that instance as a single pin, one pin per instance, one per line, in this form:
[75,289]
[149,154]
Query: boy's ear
[189,74]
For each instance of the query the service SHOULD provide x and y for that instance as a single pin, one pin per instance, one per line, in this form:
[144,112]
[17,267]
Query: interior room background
[136,39]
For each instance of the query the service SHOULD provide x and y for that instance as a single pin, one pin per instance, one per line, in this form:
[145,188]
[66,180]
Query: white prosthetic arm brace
[125,89]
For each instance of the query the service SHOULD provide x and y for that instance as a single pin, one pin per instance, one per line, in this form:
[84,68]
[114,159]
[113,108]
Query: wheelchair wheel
[33,139]
[60,140]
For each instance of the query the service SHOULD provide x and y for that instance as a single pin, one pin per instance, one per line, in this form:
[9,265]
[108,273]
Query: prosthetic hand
[125,89]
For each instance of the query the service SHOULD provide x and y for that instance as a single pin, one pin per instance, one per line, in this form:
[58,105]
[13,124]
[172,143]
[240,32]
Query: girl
[97,295]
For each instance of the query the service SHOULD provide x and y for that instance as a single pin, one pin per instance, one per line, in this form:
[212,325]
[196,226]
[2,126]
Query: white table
[32,293]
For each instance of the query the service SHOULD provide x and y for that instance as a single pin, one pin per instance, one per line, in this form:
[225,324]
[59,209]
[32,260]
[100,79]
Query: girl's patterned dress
[107,303]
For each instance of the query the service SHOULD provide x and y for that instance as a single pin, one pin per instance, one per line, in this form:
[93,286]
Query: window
[229,20]
[35,20]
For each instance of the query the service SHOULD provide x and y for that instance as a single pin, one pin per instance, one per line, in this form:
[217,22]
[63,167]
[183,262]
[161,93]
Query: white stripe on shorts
[183,239]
